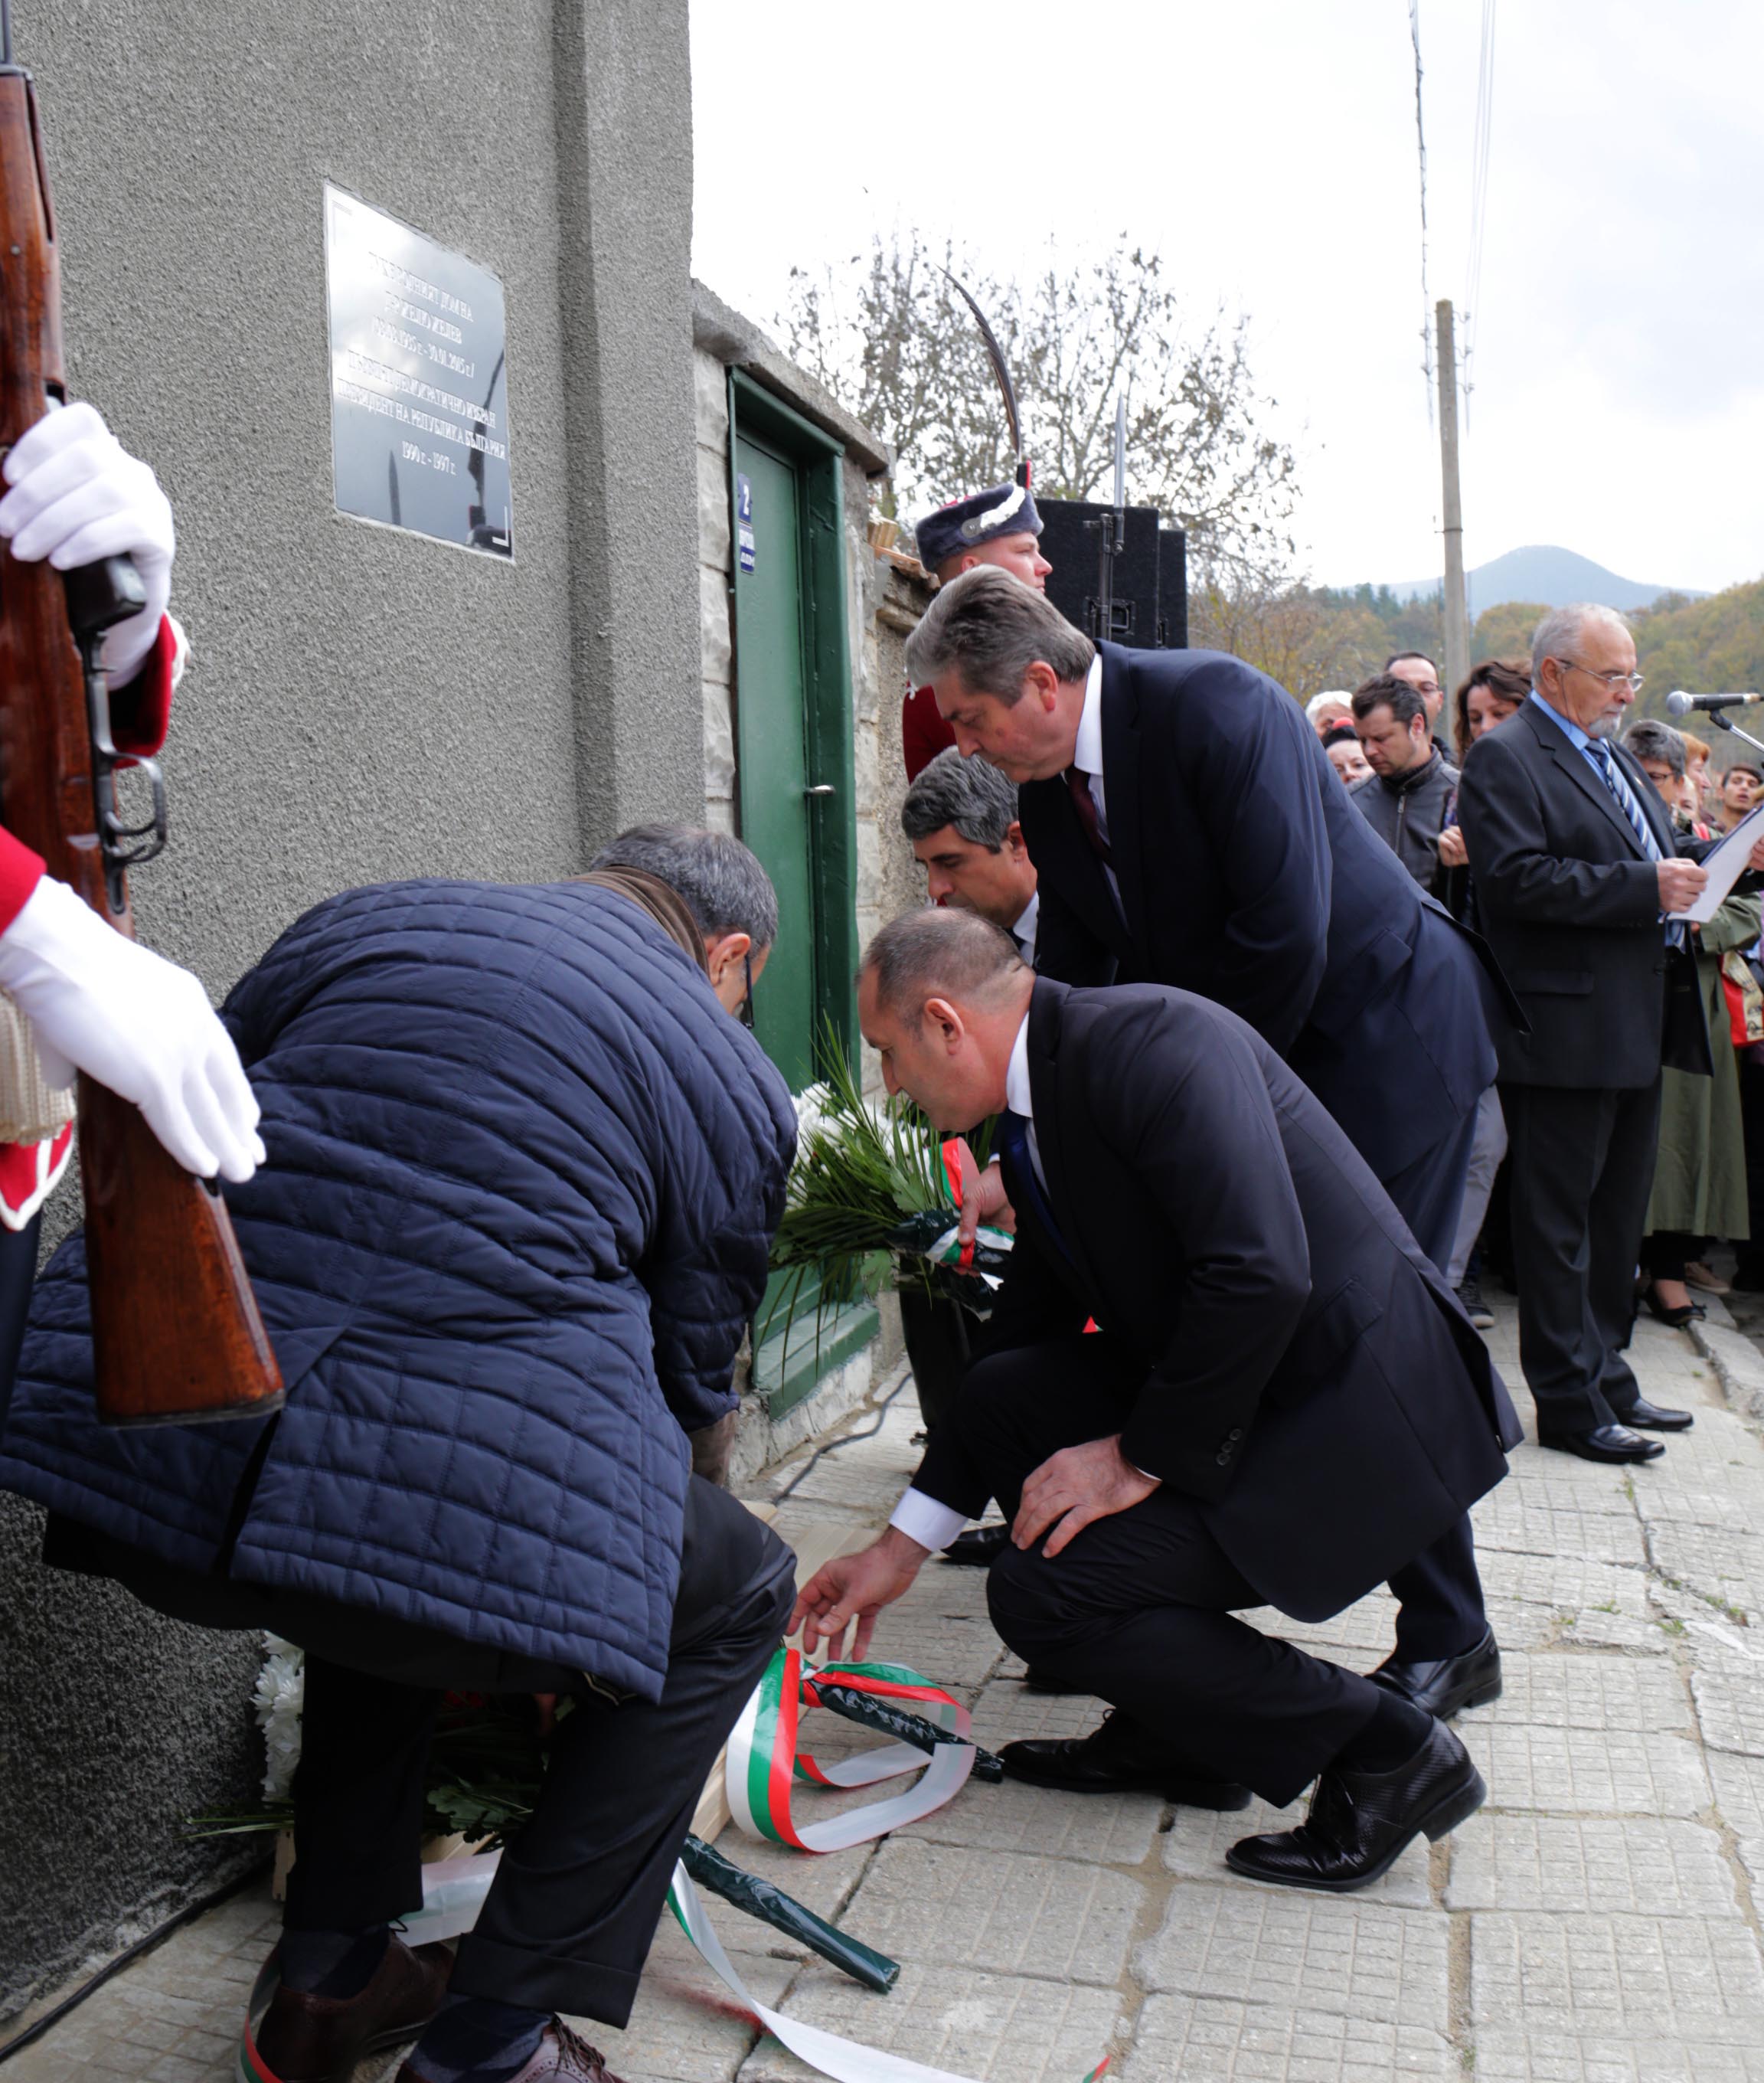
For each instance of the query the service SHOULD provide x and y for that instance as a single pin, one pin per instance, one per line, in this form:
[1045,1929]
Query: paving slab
[1012,2028]
[1285,1947]
[1516,1519]
[1591,1864]
[1574,1691]
[1107,1829]
[1587,1771]
[1722,1566]
[1000,1912]
[1564,1583]
[1210,2039]
[1503,2056]
[1730,1706]
[1007,1712]
[1641,1977]
[685,2027]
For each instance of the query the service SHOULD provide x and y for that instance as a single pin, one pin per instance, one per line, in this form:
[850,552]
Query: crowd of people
[1256,1013]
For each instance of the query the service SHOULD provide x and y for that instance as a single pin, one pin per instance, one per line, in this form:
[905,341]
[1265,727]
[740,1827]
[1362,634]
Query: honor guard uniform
[74,994]
[997,526]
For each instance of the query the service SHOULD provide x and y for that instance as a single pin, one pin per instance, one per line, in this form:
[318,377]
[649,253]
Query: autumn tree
[889,335]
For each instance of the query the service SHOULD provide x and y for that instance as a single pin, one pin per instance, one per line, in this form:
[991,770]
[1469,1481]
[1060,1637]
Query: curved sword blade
[996,355]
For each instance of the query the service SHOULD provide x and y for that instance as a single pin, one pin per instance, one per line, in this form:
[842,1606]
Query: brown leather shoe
[319,2039]
[563,2054]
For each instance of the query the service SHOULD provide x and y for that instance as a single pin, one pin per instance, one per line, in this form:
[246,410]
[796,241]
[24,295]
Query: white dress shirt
[919,1517]
[1022,932]
[1087,758]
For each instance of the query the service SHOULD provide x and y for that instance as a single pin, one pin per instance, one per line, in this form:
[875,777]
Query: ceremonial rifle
[175,1331]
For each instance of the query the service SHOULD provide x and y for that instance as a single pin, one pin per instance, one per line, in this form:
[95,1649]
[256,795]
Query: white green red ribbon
[846,2060]
[766,1759]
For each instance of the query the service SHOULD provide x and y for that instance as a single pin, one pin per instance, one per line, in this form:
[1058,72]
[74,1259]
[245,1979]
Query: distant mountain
[1550,576]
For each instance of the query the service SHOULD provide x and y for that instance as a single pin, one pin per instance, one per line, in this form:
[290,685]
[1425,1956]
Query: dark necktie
[1085,804]
[1010,1139]
[1618,782]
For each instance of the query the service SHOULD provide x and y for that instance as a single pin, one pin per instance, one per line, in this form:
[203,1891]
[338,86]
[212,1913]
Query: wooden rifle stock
[176,1334]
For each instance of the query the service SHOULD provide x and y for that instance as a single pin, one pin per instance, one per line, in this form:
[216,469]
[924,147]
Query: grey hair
[1562,628]
[1649,740]
[1314,708]
[719,880]
[970,794]
[938,953]
[991,628]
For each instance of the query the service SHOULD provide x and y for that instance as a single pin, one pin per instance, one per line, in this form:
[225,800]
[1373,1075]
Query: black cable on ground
[127,1958]
[845,1439]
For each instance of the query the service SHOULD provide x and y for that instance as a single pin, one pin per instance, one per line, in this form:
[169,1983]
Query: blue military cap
[964,524]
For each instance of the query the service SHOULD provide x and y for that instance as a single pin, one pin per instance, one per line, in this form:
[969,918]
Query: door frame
[828,747]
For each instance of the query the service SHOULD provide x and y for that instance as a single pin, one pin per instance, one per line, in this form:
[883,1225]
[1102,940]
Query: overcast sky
[1267,150]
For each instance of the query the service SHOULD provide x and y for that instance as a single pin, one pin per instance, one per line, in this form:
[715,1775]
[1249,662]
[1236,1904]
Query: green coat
[1699,1176]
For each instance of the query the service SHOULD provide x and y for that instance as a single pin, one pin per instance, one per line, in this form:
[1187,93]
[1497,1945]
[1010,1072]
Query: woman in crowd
[1699,1176]
[1342,744]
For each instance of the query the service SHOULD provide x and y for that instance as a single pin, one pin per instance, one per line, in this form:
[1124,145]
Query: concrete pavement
[1596,1921]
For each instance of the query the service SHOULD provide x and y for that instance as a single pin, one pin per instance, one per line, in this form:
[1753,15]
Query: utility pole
[1457,615]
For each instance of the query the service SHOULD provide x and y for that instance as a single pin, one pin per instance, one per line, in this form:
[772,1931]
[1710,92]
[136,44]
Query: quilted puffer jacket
[523,1173]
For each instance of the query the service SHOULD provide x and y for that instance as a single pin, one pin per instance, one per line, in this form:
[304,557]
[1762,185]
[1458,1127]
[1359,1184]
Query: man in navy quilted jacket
[523,1173]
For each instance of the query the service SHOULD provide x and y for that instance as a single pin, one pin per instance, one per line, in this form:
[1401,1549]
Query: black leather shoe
[1036,1680]
[1646,1417]
[1445,1686]
[1359,1822]
[1113,1759]
[979,1547]
[1604,1442]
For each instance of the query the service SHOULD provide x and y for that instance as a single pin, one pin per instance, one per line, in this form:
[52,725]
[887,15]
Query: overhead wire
[1479,192]
[1420,146]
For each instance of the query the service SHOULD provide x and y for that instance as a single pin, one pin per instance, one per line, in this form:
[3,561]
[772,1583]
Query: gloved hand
[135,1023]
[76,496]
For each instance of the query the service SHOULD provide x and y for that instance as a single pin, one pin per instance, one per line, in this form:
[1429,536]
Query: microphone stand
[1718,718]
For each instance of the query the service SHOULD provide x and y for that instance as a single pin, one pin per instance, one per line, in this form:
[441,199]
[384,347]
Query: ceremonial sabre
[996,355]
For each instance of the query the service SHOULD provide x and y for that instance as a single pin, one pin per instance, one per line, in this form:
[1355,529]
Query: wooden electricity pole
[1457,616]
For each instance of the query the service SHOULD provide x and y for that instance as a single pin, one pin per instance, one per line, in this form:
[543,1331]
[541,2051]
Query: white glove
[135,1023]
[78,495]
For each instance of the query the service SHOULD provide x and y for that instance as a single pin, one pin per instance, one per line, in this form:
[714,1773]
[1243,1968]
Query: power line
[1479,190]
[1420,146]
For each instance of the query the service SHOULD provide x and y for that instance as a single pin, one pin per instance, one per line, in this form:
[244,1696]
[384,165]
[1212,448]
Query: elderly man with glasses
[1578,873]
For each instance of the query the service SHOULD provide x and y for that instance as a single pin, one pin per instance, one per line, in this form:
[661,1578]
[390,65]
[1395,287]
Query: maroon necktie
[1085,804]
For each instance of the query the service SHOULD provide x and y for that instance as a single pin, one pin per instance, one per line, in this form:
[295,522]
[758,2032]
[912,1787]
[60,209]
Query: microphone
[1678,702]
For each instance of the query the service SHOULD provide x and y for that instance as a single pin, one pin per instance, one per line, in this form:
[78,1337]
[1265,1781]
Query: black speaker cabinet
[1149,606]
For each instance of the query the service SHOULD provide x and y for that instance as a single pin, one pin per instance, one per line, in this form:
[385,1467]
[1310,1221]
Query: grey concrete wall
[361,705]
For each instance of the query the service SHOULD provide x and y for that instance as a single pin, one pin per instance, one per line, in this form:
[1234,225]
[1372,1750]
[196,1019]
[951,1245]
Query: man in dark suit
[1186,829]
[1283,1404]
[1576,866]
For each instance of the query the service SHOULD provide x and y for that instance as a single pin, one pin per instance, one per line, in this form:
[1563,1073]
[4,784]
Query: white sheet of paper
[1725,865]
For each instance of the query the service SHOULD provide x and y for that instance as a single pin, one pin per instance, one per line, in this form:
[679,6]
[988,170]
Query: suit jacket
[1309,1379]
[1247,874]
[1570,903]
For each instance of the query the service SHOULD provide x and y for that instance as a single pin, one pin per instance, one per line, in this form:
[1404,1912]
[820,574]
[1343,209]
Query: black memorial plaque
[419,381]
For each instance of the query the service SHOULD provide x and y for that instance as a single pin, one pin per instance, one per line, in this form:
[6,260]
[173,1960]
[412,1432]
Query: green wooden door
[772,768]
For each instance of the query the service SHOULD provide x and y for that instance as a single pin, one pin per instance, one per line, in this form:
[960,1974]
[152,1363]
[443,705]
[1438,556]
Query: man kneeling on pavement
[1284,1404]
[523,1172]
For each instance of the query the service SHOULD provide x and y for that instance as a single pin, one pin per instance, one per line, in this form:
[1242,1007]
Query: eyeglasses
[745,1016]
[1610,681]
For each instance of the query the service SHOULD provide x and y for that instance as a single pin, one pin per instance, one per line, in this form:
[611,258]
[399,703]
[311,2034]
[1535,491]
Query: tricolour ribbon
[766,1756]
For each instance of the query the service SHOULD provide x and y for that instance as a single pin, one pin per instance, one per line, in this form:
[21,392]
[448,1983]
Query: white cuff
[923,1520]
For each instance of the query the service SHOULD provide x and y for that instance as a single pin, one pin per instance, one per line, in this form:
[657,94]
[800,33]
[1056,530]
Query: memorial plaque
[419,382]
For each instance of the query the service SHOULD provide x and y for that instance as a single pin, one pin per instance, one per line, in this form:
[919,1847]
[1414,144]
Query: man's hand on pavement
[855,1587]
[1075,1487]
[1681,883]
[983,1198]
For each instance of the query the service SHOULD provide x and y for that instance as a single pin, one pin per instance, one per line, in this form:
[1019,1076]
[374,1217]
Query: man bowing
[1282,1404]
[1186,829]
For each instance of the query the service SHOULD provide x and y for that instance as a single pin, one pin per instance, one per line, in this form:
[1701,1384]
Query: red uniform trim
[20,871]
[923,732]
[140,713]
